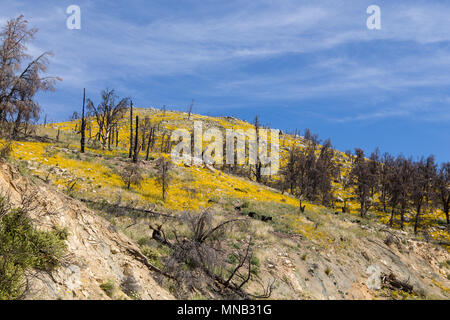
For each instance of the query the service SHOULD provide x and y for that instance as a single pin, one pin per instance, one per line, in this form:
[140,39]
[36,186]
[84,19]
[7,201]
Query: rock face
[358,269]
[96,253]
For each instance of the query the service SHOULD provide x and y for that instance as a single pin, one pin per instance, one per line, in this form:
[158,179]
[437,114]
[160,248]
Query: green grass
[108,287]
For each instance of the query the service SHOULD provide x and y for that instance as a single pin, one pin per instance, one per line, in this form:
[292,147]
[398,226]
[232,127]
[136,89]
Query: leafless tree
[442,183]
[20,78]
[136,142]
[163,178]
[363,180]
[399,179]
[131,131]
[83,125]
[151,139]
[199,255]
[131,175]
[108,114]
[258,165]
[190,109]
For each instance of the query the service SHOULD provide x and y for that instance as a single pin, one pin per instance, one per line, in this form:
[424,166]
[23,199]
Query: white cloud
[211,40]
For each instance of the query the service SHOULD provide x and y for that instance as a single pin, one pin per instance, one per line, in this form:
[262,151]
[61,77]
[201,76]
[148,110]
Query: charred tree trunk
[416,222]
[136,141]
[402,216]
[391,221]
[83,125]
[117,137]
[446,210]
[131,131]
[148,145]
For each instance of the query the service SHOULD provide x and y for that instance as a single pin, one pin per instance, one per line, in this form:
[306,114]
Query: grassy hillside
[97,172]
[316,254]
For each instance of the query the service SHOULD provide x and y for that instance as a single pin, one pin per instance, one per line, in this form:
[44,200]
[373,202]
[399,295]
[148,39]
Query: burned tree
[108,114]
[136,142]
[131,131]
[442,185]
[399,180]
[163,178]
[325,169]
[386,170]
[131,175]
[363,181]
[420,187]
[190,109]
[20,79]
[151,140]
[83,125]
[289,172]
[258,165]
[198,255]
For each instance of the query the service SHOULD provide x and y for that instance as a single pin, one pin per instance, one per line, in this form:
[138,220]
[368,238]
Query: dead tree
[18,87]
[190,109]
[136,143]
[163,178]
[117,137]
[150,141]
[442,183]
[131,131]
[107,114]
[363,180]
[197,258]
[131,175]
[83,124]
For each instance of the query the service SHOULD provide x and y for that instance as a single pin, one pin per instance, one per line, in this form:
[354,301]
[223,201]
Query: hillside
[315,254]
[97,253]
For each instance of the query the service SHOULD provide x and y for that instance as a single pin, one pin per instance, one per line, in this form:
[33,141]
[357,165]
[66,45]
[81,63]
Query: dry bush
[199,259]
[5,149]
[131,175]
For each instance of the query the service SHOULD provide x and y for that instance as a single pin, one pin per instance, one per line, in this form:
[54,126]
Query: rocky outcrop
[97,256]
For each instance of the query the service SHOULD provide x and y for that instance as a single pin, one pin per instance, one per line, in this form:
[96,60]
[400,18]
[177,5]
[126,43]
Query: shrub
[108,287]
[131,175]
[61,232]
[153,255]
[142,241]
[22,247]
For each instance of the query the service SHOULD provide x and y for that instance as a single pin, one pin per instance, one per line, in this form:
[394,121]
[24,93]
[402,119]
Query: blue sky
[297,64]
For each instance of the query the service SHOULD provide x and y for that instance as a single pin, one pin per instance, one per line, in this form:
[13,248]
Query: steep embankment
[98,256]
[350,260]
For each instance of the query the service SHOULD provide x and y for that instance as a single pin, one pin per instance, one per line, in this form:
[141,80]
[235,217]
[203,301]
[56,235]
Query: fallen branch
[392,282]
[143,259]
[118,207]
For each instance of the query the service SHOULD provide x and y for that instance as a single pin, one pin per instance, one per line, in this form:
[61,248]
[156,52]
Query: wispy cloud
[217,43]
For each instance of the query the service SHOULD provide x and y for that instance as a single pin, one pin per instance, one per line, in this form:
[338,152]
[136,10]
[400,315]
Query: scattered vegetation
[24,249]
[109,288]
